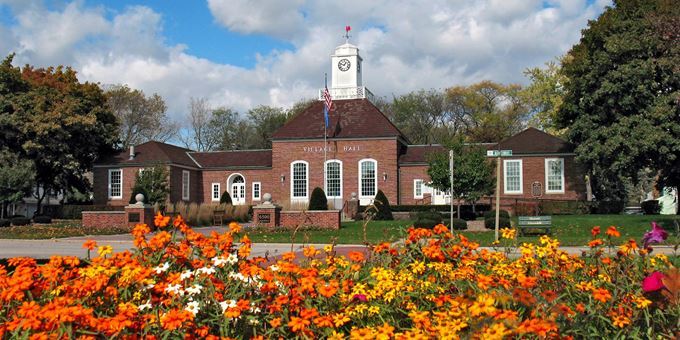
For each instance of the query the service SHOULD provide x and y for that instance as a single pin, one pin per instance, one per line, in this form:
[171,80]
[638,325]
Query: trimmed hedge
[226,198]
[318,201]
[42,219]
[607,207]
[492,214]
[490,223]
[4,223]
[459,224]
[427,219]
[382,204]
[21,221]
[650,207]
[564,207]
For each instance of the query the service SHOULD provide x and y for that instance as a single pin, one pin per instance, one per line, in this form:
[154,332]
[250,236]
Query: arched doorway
[237,189]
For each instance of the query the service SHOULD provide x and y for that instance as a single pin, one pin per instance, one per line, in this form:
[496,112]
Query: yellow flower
[105,250]
[508,233]
[340,319]
[620,321]
[417,267]
[328,248]
[496,331]
[642,302]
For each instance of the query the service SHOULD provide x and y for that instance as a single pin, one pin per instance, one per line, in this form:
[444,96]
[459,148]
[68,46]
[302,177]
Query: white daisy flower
[147,305]
[192,307]
[195,289]
[187,274]
[162,268]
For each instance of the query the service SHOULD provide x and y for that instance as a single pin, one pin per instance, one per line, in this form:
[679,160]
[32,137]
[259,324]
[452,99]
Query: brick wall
[264,176]
[100,185]
[97,219]
[533,170]
[350,152]
[195,184]
[407,174]
[329,219]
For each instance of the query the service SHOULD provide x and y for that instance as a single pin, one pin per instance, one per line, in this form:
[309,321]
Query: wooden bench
[541,223]
[218,217]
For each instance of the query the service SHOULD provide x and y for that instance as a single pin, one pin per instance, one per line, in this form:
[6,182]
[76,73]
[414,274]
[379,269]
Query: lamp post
[451,189]
[498,154]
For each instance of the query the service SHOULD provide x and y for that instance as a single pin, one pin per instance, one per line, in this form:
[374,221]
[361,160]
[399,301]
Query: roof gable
[533,141]
[354,118]
[418,154]
[152,152]
[233,159]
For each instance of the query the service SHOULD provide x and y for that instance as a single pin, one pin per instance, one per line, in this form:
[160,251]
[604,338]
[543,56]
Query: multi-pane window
[216,191]
[115,183]
[185,185]
[334,179]
[418,188]
[513,176]
[554,175]
[256,190]
[367,177]
[298,171]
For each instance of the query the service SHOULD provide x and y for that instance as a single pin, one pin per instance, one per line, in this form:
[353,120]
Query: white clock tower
[346,82]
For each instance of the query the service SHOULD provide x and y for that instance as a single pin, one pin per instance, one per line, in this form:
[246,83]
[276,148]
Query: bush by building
[226,198]
[492,214]
[503,222]
[318,200]
[18,221]
[459,224]
[42,219]
[4,223]
[427,219]
[382,205]
[650,207]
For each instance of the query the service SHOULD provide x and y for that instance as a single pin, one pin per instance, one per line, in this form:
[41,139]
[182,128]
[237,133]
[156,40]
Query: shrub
[527,209]
[650,207]
[4,223]
[550,207]
[459,224]
[607,207]
[226,198]
[492,214]
[21,221]
[318,200]
[383,207]
[503,222]
[42,219]
[427,219]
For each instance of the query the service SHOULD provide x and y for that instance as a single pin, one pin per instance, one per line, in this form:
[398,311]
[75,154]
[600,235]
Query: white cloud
[406,45]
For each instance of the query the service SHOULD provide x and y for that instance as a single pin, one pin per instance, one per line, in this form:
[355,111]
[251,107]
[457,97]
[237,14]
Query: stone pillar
[139,212]
[267,214]
[352,208]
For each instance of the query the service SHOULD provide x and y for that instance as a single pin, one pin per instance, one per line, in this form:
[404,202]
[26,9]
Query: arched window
[368,184]
[299,175]
[333,185]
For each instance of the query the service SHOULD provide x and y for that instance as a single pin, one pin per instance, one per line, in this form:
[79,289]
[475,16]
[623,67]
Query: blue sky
[242,53]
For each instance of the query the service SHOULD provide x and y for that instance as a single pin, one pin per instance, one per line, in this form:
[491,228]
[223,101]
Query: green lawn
[58,229]
[572,230]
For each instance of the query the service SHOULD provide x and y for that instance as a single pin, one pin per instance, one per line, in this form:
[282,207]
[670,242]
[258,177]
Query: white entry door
[238,191]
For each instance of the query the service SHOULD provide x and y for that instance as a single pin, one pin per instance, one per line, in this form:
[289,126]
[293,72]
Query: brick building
[360,152]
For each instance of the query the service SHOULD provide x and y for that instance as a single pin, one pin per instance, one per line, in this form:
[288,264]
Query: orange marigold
[601,294]
[298,324]
[90,244]
[595,231]
[356,256]
[611,231]
[161,221]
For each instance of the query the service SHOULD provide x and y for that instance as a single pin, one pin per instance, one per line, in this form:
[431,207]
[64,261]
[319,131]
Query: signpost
[498,154]
[451,189]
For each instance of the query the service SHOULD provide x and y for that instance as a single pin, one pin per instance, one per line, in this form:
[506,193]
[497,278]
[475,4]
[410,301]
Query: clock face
[344,64]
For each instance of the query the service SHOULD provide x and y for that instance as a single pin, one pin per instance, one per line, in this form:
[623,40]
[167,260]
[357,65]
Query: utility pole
[451,189]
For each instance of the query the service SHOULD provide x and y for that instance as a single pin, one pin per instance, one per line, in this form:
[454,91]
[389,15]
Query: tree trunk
[40,197]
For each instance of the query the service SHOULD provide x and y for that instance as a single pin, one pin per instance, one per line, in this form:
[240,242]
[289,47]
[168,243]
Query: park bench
[218,217]
[540,223]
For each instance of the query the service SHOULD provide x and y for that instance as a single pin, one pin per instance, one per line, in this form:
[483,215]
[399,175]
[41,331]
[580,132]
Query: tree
[490,111]
[472,172]
[202,134]
[56,122]
[622,95]
[16,180]
[140,118]
[423,116]
[225,124]
[545,95]
[265,121]
[152,182]
[226,198]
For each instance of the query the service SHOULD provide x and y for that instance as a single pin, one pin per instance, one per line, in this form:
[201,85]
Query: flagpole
[325,80]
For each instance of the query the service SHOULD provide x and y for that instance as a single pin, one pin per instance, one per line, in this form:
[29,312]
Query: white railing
[359,92]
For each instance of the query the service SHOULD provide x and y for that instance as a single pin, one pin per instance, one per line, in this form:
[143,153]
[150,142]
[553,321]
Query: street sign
[497,153]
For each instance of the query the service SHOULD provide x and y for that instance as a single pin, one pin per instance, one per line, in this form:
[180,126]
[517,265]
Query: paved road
[73,246]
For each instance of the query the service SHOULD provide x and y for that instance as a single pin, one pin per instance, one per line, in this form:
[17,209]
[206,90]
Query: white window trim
[300,198]
[422,186]
[375,163]
[212,192]
[259,192]
[547,187]
[505,176]
[121,184]
[325,184]
[186,195]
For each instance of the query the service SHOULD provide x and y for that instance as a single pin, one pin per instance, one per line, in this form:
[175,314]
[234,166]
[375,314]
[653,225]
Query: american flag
[328,103]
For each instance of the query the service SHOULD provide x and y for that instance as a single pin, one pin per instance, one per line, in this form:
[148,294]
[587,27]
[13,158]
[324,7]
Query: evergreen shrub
[226,198]
[382,204]
[318,200]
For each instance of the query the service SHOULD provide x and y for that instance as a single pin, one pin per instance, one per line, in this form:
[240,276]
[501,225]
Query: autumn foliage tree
[60,124]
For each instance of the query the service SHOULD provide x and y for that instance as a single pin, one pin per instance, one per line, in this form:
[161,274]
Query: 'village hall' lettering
[346,148]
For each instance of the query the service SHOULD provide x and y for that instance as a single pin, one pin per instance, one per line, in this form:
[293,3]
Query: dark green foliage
[427,219]
[138,190]
[383,207]
[42,219]
[650,207]
[152,182]
[75,212]
[490,222]
[4,223]
[318,200]
[21,221]
[607,207]
[226,198]
[563,208]
[492,214]
[459,224]
[621,98]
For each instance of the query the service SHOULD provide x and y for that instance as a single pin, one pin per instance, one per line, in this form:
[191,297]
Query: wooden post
[498,194]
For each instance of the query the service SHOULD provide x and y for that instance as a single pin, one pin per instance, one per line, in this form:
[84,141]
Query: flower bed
[436,285]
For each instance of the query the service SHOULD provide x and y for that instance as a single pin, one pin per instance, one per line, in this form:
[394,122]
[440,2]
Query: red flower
[653,282]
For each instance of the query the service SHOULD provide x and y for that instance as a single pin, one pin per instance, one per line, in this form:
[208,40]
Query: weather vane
[347,29]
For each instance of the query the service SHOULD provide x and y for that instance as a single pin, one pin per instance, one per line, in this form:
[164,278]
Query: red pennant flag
[347,28]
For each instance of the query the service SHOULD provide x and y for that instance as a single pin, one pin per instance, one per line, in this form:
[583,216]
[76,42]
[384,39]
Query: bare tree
[201,134]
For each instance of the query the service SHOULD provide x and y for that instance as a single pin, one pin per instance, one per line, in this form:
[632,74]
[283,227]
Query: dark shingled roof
[419,153]
[353,118]
[233,159]
[533,141]
[151,152]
